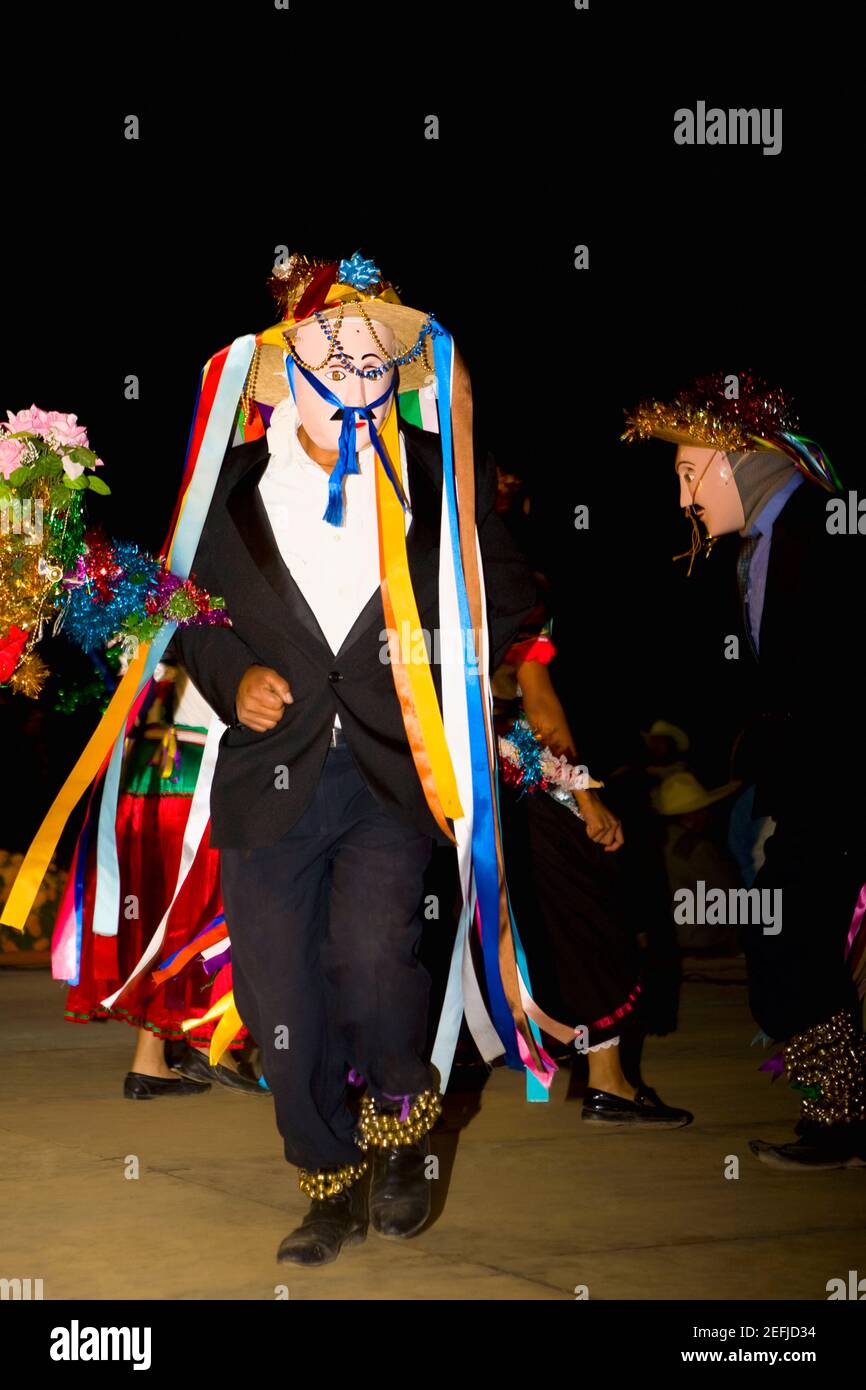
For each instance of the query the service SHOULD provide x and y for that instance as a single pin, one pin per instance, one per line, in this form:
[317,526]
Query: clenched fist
[262,693]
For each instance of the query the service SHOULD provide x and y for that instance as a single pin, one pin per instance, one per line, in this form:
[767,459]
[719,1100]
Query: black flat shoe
[817,1150]
[603,1108]
[196,1066]
[330,1224]
[138,1086]
[399,1190]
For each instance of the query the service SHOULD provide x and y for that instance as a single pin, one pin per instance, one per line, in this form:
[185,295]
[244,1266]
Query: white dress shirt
[336,568]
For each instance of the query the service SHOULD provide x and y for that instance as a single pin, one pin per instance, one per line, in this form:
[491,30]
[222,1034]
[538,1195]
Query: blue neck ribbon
[347,461]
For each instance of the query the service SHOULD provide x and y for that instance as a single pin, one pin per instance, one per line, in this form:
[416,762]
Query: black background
[306,128]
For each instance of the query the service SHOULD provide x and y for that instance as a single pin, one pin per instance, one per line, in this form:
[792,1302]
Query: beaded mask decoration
[732,413]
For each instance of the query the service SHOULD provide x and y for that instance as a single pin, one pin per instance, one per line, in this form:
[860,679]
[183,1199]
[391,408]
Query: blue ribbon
[358,271]
[347,462]
[483,811]
[79,890]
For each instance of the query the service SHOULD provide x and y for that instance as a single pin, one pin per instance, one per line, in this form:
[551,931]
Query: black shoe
[138,1086]
[399,1190]
[603,1108]
[818,1149]
[196,1066]
[331,1223]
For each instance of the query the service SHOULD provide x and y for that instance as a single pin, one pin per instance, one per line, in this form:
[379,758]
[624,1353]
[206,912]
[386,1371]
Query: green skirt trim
[142,769]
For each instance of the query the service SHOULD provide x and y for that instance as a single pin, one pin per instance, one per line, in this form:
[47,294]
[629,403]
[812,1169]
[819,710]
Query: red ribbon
[316,293]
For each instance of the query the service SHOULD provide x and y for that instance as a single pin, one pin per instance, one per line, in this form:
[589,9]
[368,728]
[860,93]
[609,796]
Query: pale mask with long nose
[707,483]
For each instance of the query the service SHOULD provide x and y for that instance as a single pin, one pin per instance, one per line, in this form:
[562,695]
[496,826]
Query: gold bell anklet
[827,1064]
[328,1182]
[379,1129]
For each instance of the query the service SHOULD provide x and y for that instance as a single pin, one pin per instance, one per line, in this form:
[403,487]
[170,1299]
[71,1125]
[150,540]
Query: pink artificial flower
[72,469]
[34,420]
[10,455]
[66,429]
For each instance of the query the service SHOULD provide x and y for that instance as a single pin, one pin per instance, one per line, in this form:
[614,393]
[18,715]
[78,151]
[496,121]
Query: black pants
[325,927]
[799,976]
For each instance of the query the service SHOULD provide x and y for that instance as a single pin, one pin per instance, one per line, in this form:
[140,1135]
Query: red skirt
[149,842]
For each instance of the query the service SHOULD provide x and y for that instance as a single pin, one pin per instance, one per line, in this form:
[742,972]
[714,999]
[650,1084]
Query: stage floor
[529,1204]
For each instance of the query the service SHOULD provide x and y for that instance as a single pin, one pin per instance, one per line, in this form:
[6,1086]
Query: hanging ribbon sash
[193,511]
[197,823]
[413,679]
[110,731]
[463,992]
[519,1036]
[855,944]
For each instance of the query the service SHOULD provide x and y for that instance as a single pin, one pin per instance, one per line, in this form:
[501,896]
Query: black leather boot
[400,1190]
[331,1223]
[396,1137]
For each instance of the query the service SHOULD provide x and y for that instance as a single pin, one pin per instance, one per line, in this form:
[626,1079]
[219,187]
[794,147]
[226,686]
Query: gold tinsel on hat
[288,282]
[708,415]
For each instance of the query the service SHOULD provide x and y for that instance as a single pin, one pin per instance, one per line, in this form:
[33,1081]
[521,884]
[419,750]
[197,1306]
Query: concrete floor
[529,1203]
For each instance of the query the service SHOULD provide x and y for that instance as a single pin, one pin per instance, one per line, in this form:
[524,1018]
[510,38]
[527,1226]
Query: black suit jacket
[273,625]
[809,742]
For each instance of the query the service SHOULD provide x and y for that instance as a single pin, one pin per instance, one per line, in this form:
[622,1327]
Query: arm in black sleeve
[215,657]
[514,606]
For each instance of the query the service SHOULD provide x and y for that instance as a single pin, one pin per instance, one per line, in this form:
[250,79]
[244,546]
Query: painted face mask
[323,421]
[722,423]
[708,493]
[339,408]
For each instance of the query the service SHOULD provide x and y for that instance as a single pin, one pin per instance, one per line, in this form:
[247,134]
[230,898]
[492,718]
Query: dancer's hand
[602,825]
[261,696]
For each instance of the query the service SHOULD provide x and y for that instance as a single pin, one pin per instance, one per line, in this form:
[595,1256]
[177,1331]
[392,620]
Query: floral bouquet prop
[53,572]
[46,467]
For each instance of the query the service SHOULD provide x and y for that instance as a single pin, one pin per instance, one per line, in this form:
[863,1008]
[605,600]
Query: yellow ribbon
[38,857]
[230,1024]
[413,678]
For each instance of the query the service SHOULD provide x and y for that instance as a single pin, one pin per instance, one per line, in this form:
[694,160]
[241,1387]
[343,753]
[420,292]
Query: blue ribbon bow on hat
[347,461]
[358,271]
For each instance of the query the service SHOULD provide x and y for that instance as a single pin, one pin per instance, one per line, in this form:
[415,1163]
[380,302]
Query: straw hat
[304,287]
[738,413]
[662,729]
[682,792]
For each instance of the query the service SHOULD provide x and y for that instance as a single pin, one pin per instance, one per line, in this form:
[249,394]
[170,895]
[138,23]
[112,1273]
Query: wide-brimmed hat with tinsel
[307,290]
[733,413]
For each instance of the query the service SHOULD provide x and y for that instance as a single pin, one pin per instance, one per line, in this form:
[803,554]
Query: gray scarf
[758,475]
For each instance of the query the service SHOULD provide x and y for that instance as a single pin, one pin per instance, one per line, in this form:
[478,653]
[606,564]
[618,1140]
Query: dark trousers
[325,927]
[799,977]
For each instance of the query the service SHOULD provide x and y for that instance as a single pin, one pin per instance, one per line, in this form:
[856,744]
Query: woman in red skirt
[159,774]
